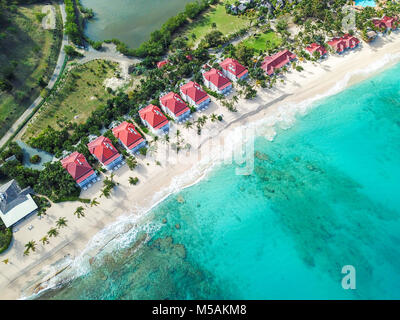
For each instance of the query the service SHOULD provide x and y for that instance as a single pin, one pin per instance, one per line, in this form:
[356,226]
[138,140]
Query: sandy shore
[274,107]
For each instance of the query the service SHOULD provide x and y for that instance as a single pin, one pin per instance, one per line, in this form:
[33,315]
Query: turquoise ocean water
[324,194]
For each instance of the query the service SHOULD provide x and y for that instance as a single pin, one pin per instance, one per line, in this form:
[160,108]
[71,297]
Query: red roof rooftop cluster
[277,61]
[315,47]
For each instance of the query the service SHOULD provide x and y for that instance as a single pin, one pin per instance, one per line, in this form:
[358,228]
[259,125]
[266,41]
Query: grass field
[225,23]
[80,92]
[29,53]
[265,41]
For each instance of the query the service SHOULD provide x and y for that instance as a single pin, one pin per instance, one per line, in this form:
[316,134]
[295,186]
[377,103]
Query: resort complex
[106,129]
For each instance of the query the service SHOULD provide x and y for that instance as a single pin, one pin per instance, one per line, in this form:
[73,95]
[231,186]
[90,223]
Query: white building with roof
[15,204]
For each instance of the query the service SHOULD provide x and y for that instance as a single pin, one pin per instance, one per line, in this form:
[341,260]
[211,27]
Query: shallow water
[323,194]
[131,21]
[365,3]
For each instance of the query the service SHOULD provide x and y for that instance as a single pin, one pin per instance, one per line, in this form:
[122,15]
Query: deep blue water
[323,194]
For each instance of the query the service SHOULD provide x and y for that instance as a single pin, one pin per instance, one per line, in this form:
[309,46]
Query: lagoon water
[324,194]
[131,21]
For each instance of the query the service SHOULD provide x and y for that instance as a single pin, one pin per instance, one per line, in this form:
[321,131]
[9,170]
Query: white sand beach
[274,107]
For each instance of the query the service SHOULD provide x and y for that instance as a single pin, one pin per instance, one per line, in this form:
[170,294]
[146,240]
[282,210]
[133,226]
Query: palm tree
[41,212]
[61,222]
[79,211]
[213,117]
[235,99]
[52,232]
[44,240]
[94,202]
[165,139]
[131,162]
[31,245]
[133,181]
[188,124]
[155,139]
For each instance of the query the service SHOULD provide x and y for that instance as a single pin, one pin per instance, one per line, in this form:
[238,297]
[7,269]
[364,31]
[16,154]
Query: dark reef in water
[305,195]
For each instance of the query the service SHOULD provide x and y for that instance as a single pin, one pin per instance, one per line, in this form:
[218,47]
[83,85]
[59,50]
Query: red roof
[162,63]
[386,22]
[189,57]
[378,23]
[77,166]
[234,67]
[174,103]
[217,78]
[315,47]
[276,61]
[128,135]
[338,44]
[390,22]
[153,115]
[103,149]
[351,41]
[194,91]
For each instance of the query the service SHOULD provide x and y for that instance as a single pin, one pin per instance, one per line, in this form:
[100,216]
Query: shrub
[35,159]
[5,237]
[143,151]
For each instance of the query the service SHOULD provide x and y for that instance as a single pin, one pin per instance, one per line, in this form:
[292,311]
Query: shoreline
[273,108]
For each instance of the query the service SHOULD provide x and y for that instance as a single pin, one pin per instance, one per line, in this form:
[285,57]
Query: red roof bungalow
[174,105]
[338,45]
[194,94]
[153,118]
[277,61]
[386,23]
[129,136]
[104,151]
[217,81]
[391,23]
[233,69]
[189,57]
[162,63]
[379,24]
[351,41]
[79,169]
[315,47]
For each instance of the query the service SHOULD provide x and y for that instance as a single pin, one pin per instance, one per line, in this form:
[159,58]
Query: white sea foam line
[287,113]
[285,119]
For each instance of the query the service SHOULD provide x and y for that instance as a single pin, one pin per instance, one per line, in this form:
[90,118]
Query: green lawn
[29,53]
[81,92]
[225,23]
[259,42]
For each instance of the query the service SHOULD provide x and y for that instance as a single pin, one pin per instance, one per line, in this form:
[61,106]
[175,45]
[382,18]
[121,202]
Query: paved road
[60,61]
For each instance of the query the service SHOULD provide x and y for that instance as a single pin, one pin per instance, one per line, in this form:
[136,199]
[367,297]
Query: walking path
[109,52]
[57,70]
